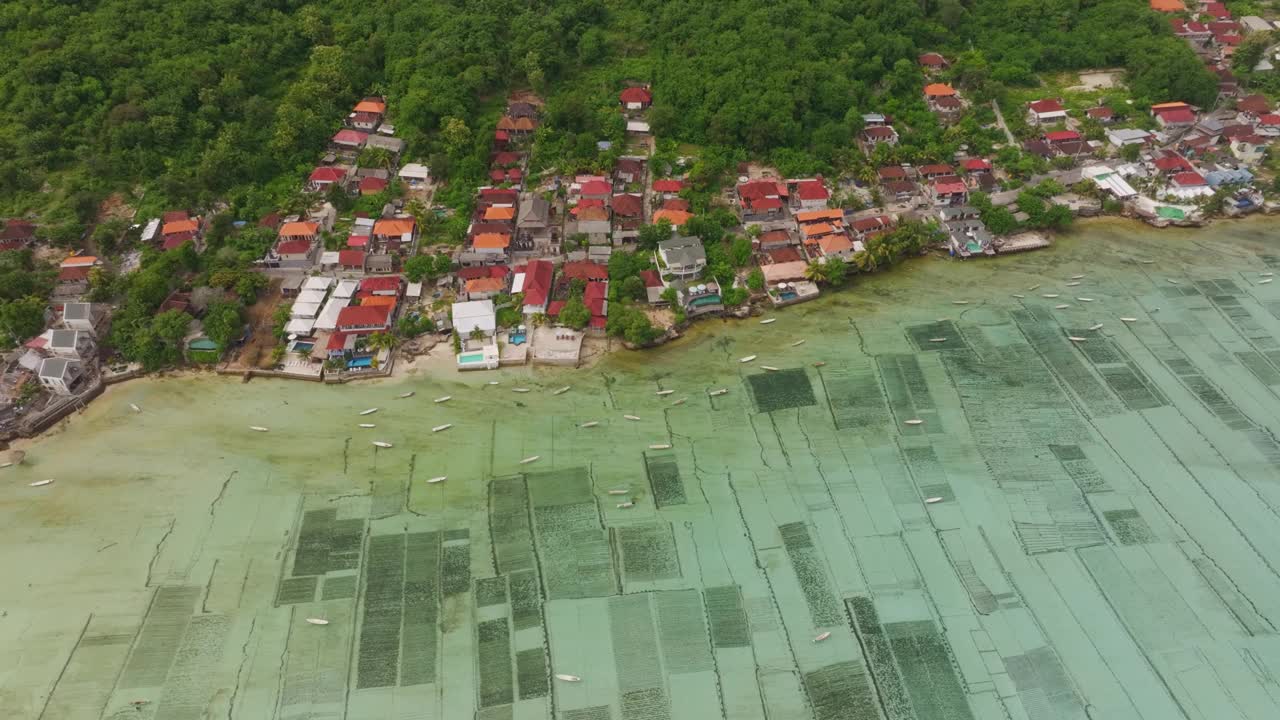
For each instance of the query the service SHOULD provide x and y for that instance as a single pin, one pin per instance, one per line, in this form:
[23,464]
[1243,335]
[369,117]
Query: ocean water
[1074,530]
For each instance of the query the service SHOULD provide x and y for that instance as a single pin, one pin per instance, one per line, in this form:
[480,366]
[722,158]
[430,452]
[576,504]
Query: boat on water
[1077,277]
[135,408]
[822,637]
[1147,262]
[1019,296]
[661,393]
[937,339]
[1033,287]
[1084,299]
[493,382]
[438,479]
[561,391]
[1172,281]
[5,465]
[1063,306]
[1265,274]
[439,428]
[368,425]
[959,302]
[529,459]
[381,444]
[630,417]
[568,678]
[1097,326]
[770,368]
[317,621]
[681,401]
[660,446]
[1265,281]
[769,321]
[718,392]
[1128,319]
[747,359]
[797,343]
[407,394]
[820,363]
[258,428]
[370,411]
[625,505]
[520,390]
[445,398]
[1049,295]
[619,491]
[41,483]
[1075,338]
[932,500]
[591,423]
[913,421]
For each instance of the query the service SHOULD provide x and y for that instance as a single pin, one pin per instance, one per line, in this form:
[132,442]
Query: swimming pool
[477,357]
[363,362]
[303,346]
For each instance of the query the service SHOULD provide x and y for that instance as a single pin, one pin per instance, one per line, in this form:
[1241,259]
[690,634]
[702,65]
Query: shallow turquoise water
[1102,541]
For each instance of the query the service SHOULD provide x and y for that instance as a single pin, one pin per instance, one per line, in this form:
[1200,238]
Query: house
[1249,149]
[977,166]
[367,122]
[932,172]
[836,245]
[325,177]
[1171,116]
[667,189]
[485,287]
[395,232]
[637,127]
[871,226]
[949,191]
[1120,137]
[595,190]
[518,126]
[350,139]
[534,281]
[947,108]
[675,217]
[77,344]
[629,170]
[773,239]
[892,173]
[372,104]
[296,246]
[534,230]
[60,375]
[682,257]
[933,62]
[593,221]
[392,145]
[1268,125]
[1045,112]
[1188,186]
[761,200]
[585,271]
[1102,114]
[73,280]
[809,194]
[872,136]
[474,315]
[941,98]
[902,191]
[628,216]
[635,98]
[371,186]
[364,318]
[1251,107]
[415,175]
[174,233]
[17,233]
[1216,10]
[491,245]
[1168,6]
[1192,30]
[351,260]
[1037,147]
[652,286]
[1254,24]
[82,316]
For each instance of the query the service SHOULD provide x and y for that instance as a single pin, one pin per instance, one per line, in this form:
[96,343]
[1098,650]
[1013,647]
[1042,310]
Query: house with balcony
[682,258]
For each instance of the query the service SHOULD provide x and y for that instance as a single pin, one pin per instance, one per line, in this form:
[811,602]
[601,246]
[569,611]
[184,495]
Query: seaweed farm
[1000,509]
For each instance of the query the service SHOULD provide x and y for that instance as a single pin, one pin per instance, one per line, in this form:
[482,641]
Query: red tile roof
[327,175]
[537,282]
[764,203]
[584,270]
[293,247]
[636,95]
[1256,104]
[757,189]
[499,194]
[350,137]
[948,188]
[628,205]
[866,225]
[372,186]
[977,164]
[596,187]
[1176,115]
[1062,135]
[891,172]
[679,204]
[812,190]
[1100,112]
[73,274]
[932,60]
[1269,120]
[371,105]
[880,132]
[381,283]
[176,240]
[299,229]
[668,186]
[358,316]
[651,278]
[939,169]
[351,258]
[784,254]
[939,90]
[1172,163]
[1188,179]
[357,241]
[1041,107]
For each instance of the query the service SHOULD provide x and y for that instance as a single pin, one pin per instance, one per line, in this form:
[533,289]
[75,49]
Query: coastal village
[556,264]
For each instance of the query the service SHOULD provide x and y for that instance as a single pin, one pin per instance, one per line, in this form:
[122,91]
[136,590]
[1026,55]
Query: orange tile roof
[818,229]
[675,217]
[394,226]
[378,301]
[834,243]
[1168,106]
[491,241]
[79,261]
[499,213]
[939,90]
[179,226]
[372,106]
[299,229]
[814,215]
[1170,6]
[486,284]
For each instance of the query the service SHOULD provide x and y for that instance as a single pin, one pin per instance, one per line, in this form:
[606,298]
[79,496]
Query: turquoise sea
[1076,529]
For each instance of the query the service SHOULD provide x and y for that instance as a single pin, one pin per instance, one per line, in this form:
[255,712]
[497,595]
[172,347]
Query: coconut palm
[817,272]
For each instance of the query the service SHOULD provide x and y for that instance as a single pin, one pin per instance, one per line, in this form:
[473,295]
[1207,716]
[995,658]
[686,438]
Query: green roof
[1171,213]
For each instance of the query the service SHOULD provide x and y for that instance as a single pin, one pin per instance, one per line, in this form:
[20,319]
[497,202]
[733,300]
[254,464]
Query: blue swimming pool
[471,358]
[363,362]
[517,338]
[303,346]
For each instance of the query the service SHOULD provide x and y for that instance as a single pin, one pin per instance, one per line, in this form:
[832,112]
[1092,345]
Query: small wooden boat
[1077,277]
[913,421]
[747,359]
[370,411]
[660,446]
[438,479]
[797,343]
[520,390]
[493,382]
[932,500]
[407,394]
[443,427]
[41,483]
[1049,295]
[1063,306]
[822,637]
[625,505]
[1128,319]
[1147,262]
[135,408]
[1097,326]
[591,423]
[769,321]
[368,425]
[937,339]
[561,391]
[1019,296]
[1072,284]
[445,398]
[1265,274]
[529,459]
[820,363]
[1076,338]
[1264,282]
[317,621]
[681,401]
[1172,281]
[662,393]
[5,465]
[381,444]
[630,417]
[568,678]
[619,491]
[1084,299]
[258,428]
[718,392]
[959,302]
[770,368]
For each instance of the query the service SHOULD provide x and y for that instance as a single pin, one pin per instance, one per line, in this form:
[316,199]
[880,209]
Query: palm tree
[817,272]
[477,334]
[382,341]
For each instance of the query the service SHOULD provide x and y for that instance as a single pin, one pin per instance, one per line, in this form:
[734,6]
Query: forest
[198,101]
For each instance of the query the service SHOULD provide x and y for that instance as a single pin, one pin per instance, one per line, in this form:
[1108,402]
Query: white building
[468,316]
[60,375]
[415,174]
[1120,137]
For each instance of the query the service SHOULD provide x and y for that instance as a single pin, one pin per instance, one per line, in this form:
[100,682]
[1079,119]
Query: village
[556,266]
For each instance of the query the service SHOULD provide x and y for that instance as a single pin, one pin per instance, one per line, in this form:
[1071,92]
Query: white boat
[591,423]
[770,320]
[932,500]
[520,390]
[914,421]
[381,444]
[1264,282]
[937,339]
[493,382]
[1019,296]
[661,393]
[529,459]
[41,483]
[1077,277]
[561,391]
[1084,299]
[1147,262]
[747,359]
[822,637]
[1049,295]
[681,401]
[619,491]
[5,465]
[1063,306]
[630,417]
[445,398]
[770,368]
[317,621]
[135,408]
[959,302]
[1129,319]
[1266,274]
[370,411]
[625,505]
[1072,284]
[439,479]
[718,392]
[1097,326]
[445,426]
[1075,338]
[660,446]
[797,343]
[407,394]
[1171,281]
[258,428]
[820,363]
[368,425]
[568,678]
[1033,287]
